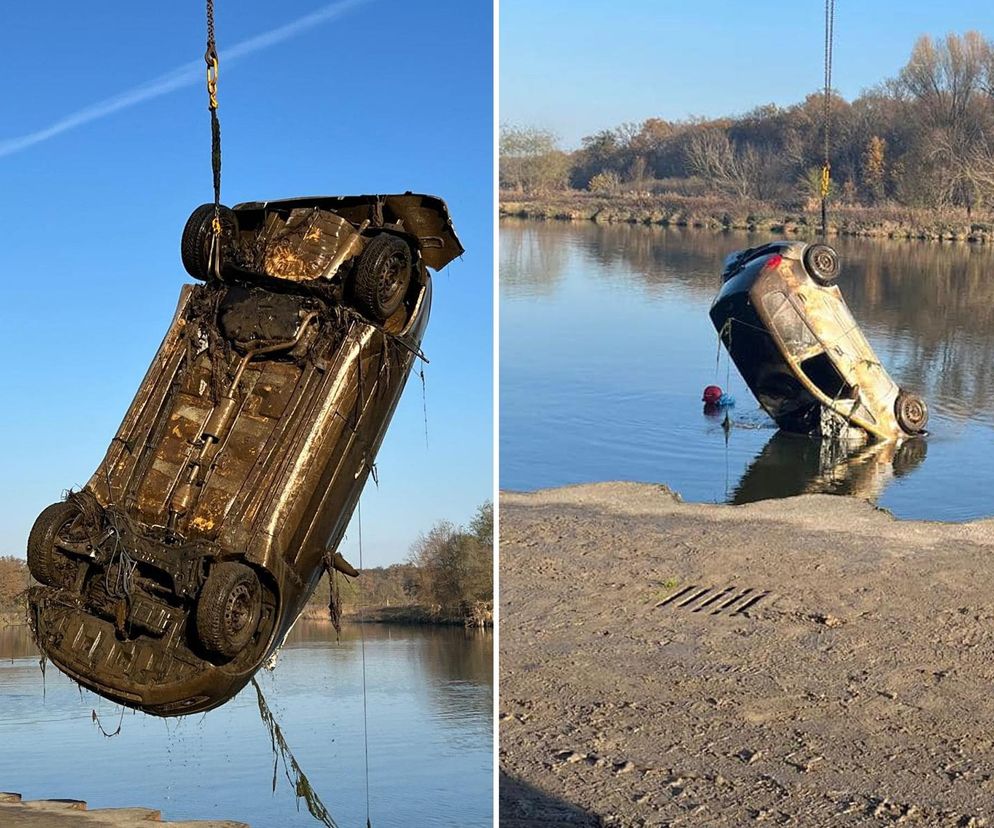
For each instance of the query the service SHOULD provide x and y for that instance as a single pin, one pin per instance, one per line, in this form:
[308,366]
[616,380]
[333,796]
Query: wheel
[195,245]
[382,276]
[822,262]
[911,412]
[229,608]
[47,563]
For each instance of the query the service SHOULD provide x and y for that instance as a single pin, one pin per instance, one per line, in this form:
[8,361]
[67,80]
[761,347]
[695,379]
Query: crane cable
[826,170]
[210,57]
[362,636]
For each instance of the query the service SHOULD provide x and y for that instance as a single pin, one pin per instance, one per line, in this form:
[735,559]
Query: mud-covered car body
[800,351]
[238,464]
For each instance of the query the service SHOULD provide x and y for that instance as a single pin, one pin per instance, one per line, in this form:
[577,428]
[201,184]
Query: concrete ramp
[16,812]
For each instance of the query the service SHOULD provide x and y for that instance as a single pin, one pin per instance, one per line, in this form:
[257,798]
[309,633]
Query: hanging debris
[295,775]
[170,578]
[791,335]
[335,564]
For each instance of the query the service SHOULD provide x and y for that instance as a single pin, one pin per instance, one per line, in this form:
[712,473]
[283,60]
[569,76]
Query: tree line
[14,580]
[448,576]
[922,139]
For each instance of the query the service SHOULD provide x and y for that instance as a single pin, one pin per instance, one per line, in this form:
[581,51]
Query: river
[606,346]
[430,711]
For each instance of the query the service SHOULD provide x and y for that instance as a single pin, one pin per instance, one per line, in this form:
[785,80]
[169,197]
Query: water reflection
[794,464]
[605,347]
[429,700]
[17,642]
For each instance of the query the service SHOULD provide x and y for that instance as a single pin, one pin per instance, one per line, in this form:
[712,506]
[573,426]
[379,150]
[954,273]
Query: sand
[856,689]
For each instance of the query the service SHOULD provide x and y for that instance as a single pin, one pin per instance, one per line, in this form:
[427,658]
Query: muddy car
[182,564]
[792,337]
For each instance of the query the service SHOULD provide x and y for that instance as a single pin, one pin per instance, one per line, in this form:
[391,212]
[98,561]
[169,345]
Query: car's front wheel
[229,608]
[49,564]
[382,277]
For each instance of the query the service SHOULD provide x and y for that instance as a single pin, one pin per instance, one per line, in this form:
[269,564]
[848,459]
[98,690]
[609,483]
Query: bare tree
[530,159]
[744,172]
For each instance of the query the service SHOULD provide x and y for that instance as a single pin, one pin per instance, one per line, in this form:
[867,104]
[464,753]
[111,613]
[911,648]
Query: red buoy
[712,394]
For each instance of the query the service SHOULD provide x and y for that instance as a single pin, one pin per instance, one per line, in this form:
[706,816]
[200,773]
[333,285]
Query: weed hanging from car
[294,773]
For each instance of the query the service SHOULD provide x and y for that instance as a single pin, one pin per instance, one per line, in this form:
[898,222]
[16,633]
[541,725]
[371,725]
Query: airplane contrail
[185,75]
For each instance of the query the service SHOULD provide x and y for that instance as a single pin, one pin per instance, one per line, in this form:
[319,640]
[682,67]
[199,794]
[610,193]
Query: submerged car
[792,337]
[179,568]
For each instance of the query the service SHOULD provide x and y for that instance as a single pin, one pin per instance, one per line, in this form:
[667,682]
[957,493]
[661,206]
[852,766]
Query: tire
[911,412]
[822,262]
[48,564]
[229,609]
[195,245]
[382,276]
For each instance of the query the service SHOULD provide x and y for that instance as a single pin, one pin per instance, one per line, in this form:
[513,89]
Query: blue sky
[380,96]
[576,66]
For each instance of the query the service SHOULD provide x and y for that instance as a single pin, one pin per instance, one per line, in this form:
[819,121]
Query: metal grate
[728,601]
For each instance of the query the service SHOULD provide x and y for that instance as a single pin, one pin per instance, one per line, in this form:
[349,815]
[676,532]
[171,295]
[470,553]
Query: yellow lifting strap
[212,66]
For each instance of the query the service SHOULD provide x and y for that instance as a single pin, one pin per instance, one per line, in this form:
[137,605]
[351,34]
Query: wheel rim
[64,568]
[913,412]
[238,610]
[824,262]
[391,280]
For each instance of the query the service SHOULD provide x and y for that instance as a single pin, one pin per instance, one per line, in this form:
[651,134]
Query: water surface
[430,709]
[606,346]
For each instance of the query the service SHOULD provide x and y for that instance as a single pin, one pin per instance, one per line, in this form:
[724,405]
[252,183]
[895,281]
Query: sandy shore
[852,685]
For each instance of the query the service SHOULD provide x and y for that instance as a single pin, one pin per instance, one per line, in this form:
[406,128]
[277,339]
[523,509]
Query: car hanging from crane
[179,568]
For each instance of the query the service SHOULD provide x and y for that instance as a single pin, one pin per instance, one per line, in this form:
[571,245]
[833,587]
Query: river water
[606,346]
[430,711]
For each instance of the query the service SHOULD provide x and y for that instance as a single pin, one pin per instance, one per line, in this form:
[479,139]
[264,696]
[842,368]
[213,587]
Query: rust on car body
[801,352]
[179,568]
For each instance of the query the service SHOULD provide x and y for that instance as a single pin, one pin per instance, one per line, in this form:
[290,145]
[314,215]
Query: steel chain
[211,59]
[826,170]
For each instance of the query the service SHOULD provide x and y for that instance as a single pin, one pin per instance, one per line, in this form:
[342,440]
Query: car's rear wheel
[195,245]
[49,564]
[229,609]
[911,412]
[382,277]
[822,262]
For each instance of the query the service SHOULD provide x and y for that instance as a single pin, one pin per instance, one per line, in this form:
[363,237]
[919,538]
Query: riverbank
[808,661]
[714,213]
[412,614]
